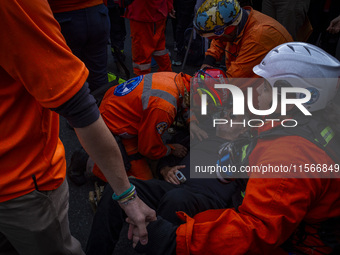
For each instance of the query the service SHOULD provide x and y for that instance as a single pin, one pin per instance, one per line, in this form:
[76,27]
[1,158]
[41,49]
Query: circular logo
[315,94]
[161,127]
[128,86]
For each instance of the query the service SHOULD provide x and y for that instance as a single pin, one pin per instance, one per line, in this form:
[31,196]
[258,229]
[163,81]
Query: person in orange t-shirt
[85,25]
[281,212]
[40,77]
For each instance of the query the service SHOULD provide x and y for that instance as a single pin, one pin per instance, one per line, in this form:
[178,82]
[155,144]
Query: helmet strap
[242,23]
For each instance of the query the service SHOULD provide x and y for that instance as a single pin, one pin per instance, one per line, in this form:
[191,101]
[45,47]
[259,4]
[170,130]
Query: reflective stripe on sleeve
[142,67]
[148,92]
[160,52]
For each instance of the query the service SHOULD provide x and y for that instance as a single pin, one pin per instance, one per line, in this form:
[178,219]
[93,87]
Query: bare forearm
[99,143]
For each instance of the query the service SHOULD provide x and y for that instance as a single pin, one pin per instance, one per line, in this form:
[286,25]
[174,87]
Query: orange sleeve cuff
[171,146]
[183,234]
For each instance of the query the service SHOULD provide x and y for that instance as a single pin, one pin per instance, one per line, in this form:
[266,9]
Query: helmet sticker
[315,94]
[161,127]
[128,86]
[214,14]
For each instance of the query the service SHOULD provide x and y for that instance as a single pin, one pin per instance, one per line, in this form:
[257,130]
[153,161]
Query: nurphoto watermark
[231,111]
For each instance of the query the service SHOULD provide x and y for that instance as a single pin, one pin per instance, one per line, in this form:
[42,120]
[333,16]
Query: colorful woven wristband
[124,194]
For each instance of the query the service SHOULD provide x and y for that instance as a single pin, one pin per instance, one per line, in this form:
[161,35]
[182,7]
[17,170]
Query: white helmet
[303,65]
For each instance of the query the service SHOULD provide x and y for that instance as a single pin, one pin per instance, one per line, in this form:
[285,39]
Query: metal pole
[188,48]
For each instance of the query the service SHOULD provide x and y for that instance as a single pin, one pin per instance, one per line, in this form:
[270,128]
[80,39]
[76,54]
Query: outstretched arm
[103,149]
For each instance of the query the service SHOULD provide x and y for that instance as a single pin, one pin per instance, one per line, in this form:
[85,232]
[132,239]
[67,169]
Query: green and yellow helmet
[214,16]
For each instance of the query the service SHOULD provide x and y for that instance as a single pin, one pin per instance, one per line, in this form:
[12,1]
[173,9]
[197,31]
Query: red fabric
[149,11]
[72,5]
[272,208]
[37,71]
[260,34]
[148,38]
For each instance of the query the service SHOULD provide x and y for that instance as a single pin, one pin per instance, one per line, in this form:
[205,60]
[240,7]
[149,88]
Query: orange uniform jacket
[31,82]
[147,27]
[261,33]
[272,208]
[143,108]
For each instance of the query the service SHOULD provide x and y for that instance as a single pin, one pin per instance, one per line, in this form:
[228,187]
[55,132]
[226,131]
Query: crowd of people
[54,58]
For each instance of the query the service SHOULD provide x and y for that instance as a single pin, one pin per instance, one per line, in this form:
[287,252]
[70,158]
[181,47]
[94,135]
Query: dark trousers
[165,198]
[184,18]
[118,29]
[320,20]
[86,32]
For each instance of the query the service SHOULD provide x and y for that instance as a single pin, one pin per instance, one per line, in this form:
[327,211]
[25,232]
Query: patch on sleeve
[161,127]
[128,86]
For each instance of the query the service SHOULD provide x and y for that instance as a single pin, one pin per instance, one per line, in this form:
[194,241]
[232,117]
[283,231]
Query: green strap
[208,92]
[112,77]
[244,151]
[327,134]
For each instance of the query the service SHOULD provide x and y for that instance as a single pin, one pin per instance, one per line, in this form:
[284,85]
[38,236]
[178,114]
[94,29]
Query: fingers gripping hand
[162,238]
[133,233]
[139,214]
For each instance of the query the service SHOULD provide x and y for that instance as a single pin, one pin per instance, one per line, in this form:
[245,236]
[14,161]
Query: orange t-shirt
[37,72]
[72,5]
